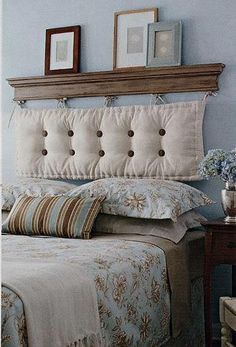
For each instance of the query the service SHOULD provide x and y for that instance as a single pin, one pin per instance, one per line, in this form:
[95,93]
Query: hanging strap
[158,99]
[207,94]
[109,100]
[62,103]
[19,103]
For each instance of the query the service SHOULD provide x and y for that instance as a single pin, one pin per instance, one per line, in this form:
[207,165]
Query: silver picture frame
[164,44]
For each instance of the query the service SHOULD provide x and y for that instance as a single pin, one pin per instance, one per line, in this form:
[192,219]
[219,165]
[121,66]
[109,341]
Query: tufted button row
[99,133]
[71,151]
[69,133]
[102,153]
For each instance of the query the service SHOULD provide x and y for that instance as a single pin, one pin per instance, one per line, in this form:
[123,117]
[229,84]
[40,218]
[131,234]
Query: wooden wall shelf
[188,78]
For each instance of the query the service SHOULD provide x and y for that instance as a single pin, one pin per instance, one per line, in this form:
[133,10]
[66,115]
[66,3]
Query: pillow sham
[53,216]
[32,187]
[143,198]
[164,228]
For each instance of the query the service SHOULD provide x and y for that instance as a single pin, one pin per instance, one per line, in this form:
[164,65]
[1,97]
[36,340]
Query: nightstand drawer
[224,244]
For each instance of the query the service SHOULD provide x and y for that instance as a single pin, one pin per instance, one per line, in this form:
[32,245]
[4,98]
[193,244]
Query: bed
[142,296]
[123,271]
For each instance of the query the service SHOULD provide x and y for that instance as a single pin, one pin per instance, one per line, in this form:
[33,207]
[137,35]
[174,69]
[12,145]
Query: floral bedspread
[130,279]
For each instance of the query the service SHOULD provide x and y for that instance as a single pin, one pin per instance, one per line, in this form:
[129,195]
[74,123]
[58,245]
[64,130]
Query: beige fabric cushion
[161,141]
[164,228]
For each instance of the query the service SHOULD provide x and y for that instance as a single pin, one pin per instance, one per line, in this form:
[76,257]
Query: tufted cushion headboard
[163,141]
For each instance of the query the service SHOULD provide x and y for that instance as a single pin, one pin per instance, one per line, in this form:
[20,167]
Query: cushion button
[72,152]
[44,152]
[130,133]
[161,153]
[131,153]
[162,132]
[99,133]
[101,153]
[44,133]
[70,133]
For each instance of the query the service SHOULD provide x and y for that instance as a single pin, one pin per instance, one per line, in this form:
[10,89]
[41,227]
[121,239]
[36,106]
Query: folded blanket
[61,292]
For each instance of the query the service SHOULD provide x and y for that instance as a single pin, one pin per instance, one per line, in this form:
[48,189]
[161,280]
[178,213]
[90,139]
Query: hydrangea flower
[220,163]
[228,168]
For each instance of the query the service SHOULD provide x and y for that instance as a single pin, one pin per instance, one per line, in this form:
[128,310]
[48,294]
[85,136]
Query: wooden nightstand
[220,248]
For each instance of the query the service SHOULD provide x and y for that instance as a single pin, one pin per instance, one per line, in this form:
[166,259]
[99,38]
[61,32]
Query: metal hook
[159,97]
[210,93]
[108,101]
[21,102]
[61,103]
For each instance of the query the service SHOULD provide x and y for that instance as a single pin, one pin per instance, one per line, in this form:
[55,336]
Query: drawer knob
[231,244]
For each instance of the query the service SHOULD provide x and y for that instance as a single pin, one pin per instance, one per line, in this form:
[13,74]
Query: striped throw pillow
[59,216]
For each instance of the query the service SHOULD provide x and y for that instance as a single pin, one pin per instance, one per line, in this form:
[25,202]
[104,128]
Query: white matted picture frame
[130,37]
[62,50]
[164,46]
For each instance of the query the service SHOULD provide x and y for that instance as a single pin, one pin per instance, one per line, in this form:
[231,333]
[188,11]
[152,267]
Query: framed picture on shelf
[130,37]
[164,44]
[62,50]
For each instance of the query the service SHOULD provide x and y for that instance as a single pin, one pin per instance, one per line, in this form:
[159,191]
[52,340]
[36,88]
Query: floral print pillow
[32,187]
[143,198]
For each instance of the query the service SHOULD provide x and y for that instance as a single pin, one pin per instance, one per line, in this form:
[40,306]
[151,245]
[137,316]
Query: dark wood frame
[116,14]
[192,78]
[76,50]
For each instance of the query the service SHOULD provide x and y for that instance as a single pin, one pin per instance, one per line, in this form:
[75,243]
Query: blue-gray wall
[209,35]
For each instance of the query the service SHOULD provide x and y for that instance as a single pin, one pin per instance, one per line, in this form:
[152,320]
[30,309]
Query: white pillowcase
[32,187]
[164,228]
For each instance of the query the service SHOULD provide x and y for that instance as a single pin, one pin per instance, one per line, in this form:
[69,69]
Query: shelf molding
[185,78]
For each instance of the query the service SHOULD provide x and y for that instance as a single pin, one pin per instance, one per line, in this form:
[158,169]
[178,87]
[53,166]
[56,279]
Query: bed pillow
[164,228]
[53,216]
[143,198]
[32,187]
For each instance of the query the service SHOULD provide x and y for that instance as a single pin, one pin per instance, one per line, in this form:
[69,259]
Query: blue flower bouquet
[220,163]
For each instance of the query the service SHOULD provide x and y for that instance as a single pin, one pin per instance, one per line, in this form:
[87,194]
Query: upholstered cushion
[53,216]
[164,228]
[143,198]
[31,187]
[161,141]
